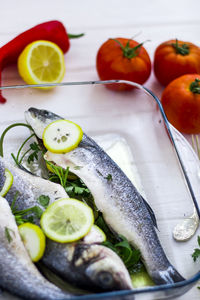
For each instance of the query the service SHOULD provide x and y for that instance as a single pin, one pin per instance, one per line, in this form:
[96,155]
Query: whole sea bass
[123,208]
[89,266]
[18,275]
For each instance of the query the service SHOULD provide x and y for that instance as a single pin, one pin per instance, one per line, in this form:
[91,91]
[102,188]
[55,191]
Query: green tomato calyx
[195,86]
[128,51]
[183,49]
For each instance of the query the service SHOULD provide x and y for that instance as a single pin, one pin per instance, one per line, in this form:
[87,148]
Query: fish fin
[168,276]
[151,212]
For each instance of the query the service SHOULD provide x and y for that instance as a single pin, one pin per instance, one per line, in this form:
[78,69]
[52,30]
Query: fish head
[102,267]
[39,119]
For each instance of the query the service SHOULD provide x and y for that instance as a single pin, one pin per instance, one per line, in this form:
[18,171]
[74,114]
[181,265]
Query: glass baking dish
[167,166]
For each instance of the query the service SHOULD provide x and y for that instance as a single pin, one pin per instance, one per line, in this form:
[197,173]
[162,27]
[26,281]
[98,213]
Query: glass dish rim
[192,280]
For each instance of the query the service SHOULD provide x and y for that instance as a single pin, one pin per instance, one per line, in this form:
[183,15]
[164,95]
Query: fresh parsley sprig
[27,215]
[196,253]
[34,147]
[35,150]
[73,185]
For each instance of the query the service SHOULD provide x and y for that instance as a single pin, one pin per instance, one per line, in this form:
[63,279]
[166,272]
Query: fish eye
[105,279]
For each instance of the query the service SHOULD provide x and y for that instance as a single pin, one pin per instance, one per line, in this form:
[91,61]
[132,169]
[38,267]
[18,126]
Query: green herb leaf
[43,200]
[109,245]
[196,253]
[37,211]
[69,189]
[34,155]
[8,235]
[109,177]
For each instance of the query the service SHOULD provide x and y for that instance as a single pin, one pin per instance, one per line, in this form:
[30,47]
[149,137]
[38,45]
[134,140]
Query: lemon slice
[34,240]
[41,62]
[7,184]
[67,220]
[62,136]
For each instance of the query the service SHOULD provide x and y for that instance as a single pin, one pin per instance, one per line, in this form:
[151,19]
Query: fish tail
[169,275]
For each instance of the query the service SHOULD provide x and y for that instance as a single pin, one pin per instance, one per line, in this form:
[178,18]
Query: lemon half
[41,62]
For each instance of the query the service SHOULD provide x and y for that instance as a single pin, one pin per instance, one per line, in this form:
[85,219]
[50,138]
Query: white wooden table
[154,20]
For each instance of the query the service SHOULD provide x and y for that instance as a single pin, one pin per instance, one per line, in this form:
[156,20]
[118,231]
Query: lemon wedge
[7,184]
[62,136]
[67,220]
[33,239]
[41,62]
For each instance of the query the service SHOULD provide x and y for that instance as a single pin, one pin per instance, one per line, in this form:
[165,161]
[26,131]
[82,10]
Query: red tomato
[181,103]
[125,59]
[175,58]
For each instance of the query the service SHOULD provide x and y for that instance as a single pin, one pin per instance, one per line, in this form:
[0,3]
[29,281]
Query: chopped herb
[196,253]
[109,177]
[26,215]
[99,173]
[37,211]
[34,147]
[7,234]
[43,200]
[74,187]
[77,167]
[34,155]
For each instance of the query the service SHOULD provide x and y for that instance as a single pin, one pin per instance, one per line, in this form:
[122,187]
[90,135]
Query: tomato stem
[181,49]
[195,86]
[129,52]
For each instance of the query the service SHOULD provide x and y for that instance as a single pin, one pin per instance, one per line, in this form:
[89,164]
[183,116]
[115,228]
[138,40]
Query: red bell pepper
[53,31]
